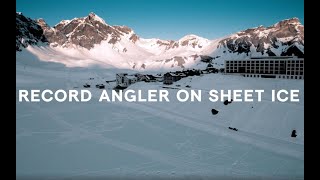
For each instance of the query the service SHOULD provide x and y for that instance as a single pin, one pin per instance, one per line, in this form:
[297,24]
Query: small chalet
[150,78]
[125,80]
[169,78]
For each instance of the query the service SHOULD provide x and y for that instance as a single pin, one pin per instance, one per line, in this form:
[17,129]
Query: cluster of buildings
[124,80]
[286,67]
[171,77]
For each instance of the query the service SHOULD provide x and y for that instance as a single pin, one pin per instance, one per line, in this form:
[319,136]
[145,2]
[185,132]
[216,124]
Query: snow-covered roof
[122,74]
[172,74]
[181,74]
[131,77]
[275,57]
[270,58]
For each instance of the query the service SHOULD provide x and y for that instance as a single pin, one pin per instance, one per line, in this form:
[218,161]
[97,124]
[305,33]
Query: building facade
[169,78]
[125,80]
[286,67]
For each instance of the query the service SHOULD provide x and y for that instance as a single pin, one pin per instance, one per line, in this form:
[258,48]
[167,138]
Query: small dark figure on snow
[214,112]
[235,129]
[294,133]
[226,102]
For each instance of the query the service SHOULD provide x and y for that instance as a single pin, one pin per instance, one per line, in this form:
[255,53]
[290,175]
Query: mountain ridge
[91,35]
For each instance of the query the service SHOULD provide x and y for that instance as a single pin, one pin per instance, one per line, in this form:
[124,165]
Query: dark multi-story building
[287,67]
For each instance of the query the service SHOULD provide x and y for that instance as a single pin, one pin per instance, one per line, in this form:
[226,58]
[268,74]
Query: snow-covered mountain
[284,38]
[91,41]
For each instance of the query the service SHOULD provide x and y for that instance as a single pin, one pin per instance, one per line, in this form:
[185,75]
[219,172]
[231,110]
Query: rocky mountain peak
[123,29]
[87,32]
[28,32]
[92,14]
[287,34]
[93,17]
[194,41]
[42,23]
[189,37]
[287,22]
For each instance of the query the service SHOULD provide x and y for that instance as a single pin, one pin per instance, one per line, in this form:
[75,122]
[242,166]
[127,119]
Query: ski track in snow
[245,137]
[151,154]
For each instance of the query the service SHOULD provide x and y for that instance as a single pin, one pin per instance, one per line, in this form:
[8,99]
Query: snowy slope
[163,139]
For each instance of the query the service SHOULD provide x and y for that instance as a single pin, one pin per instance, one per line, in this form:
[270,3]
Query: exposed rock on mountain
[90,40]
[28,32]
[284,38]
